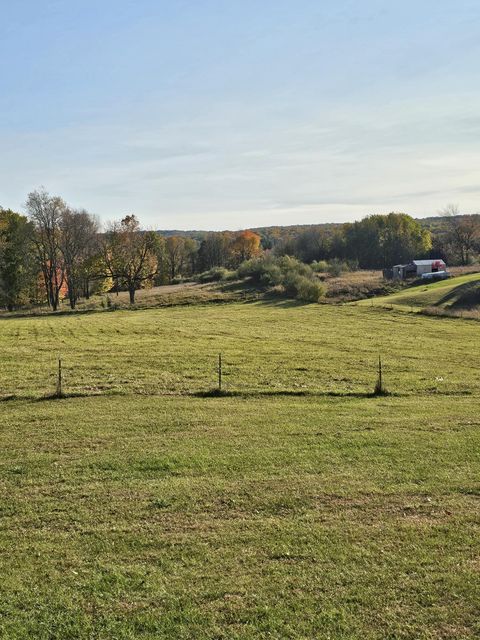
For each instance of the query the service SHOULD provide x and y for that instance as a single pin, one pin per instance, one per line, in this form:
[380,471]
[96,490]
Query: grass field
[297,506]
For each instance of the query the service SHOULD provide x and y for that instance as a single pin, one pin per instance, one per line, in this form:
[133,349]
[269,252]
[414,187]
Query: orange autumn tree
[245,245]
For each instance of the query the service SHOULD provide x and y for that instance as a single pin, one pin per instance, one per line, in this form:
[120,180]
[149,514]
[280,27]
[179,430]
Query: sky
[227,114]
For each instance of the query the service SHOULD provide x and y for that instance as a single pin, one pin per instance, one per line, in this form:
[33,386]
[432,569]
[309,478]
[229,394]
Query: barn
[415,269]
[428,266]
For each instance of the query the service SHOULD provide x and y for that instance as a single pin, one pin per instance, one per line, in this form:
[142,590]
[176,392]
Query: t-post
[220,373]
[59,379]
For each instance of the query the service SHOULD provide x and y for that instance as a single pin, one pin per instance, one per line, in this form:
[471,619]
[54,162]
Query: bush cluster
[215,274]
[319,266]
[295,278]
[334,267]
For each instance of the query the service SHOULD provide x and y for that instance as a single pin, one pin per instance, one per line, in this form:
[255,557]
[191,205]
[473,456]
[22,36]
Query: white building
[429,266]
[417,268]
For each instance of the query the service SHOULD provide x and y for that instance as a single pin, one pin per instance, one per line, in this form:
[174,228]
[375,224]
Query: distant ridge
[433,223]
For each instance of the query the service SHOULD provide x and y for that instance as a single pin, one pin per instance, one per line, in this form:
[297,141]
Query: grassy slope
[162,296]
[440,294]
[148,512]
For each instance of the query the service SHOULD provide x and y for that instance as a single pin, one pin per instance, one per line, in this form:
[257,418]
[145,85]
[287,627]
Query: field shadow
[464,296]
[19,315]
[241,394]
[9,397]
[216,393]
[261,295]
[279,302]
[67,396]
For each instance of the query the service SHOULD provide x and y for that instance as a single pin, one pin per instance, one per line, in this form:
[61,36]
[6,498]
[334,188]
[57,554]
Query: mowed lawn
[298,506]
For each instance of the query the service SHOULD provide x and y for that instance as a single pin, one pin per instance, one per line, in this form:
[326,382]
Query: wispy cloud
[193,117]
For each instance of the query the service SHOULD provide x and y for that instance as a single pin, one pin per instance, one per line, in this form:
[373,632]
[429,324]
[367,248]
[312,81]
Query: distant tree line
[380,241]
[57,252]
[376,242]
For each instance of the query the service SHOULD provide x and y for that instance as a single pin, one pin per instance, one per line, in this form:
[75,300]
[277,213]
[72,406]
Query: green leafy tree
[94,274]
[18,275]
[380,241]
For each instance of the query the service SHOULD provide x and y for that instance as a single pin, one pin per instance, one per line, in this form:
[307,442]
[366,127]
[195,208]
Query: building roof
[424,263]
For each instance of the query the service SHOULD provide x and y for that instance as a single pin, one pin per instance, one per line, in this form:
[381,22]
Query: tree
[162,276]
[379,241]
[463,233]
[78,234]
[94,275]
[46,213]
[402,239]
[312,244]
[17,270]
[130,254]
[190,252]
[175,248]
[287,244]
[215,250]
[246,245]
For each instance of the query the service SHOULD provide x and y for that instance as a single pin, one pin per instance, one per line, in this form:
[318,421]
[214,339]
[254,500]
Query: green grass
[296,507]
[442,294]
[266,348]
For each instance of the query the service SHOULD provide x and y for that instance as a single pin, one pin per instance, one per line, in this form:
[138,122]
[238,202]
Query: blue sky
[237,113]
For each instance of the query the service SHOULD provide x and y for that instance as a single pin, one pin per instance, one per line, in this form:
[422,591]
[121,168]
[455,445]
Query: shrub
[253,269]
[296,278]
[291,283]
[309,290]
[320,266]
[292,265]
[336,267]
[272,275]
[248,269]
[215,274]
[263,271]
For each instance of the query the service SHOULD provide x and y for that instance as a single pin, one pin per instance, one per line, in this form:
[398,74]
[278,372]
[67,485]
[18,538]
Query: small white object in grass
[439,379]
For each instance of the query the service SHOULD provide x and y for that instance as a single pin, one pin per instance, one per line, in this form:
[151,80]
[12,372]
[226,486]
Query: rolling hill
[457,294]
